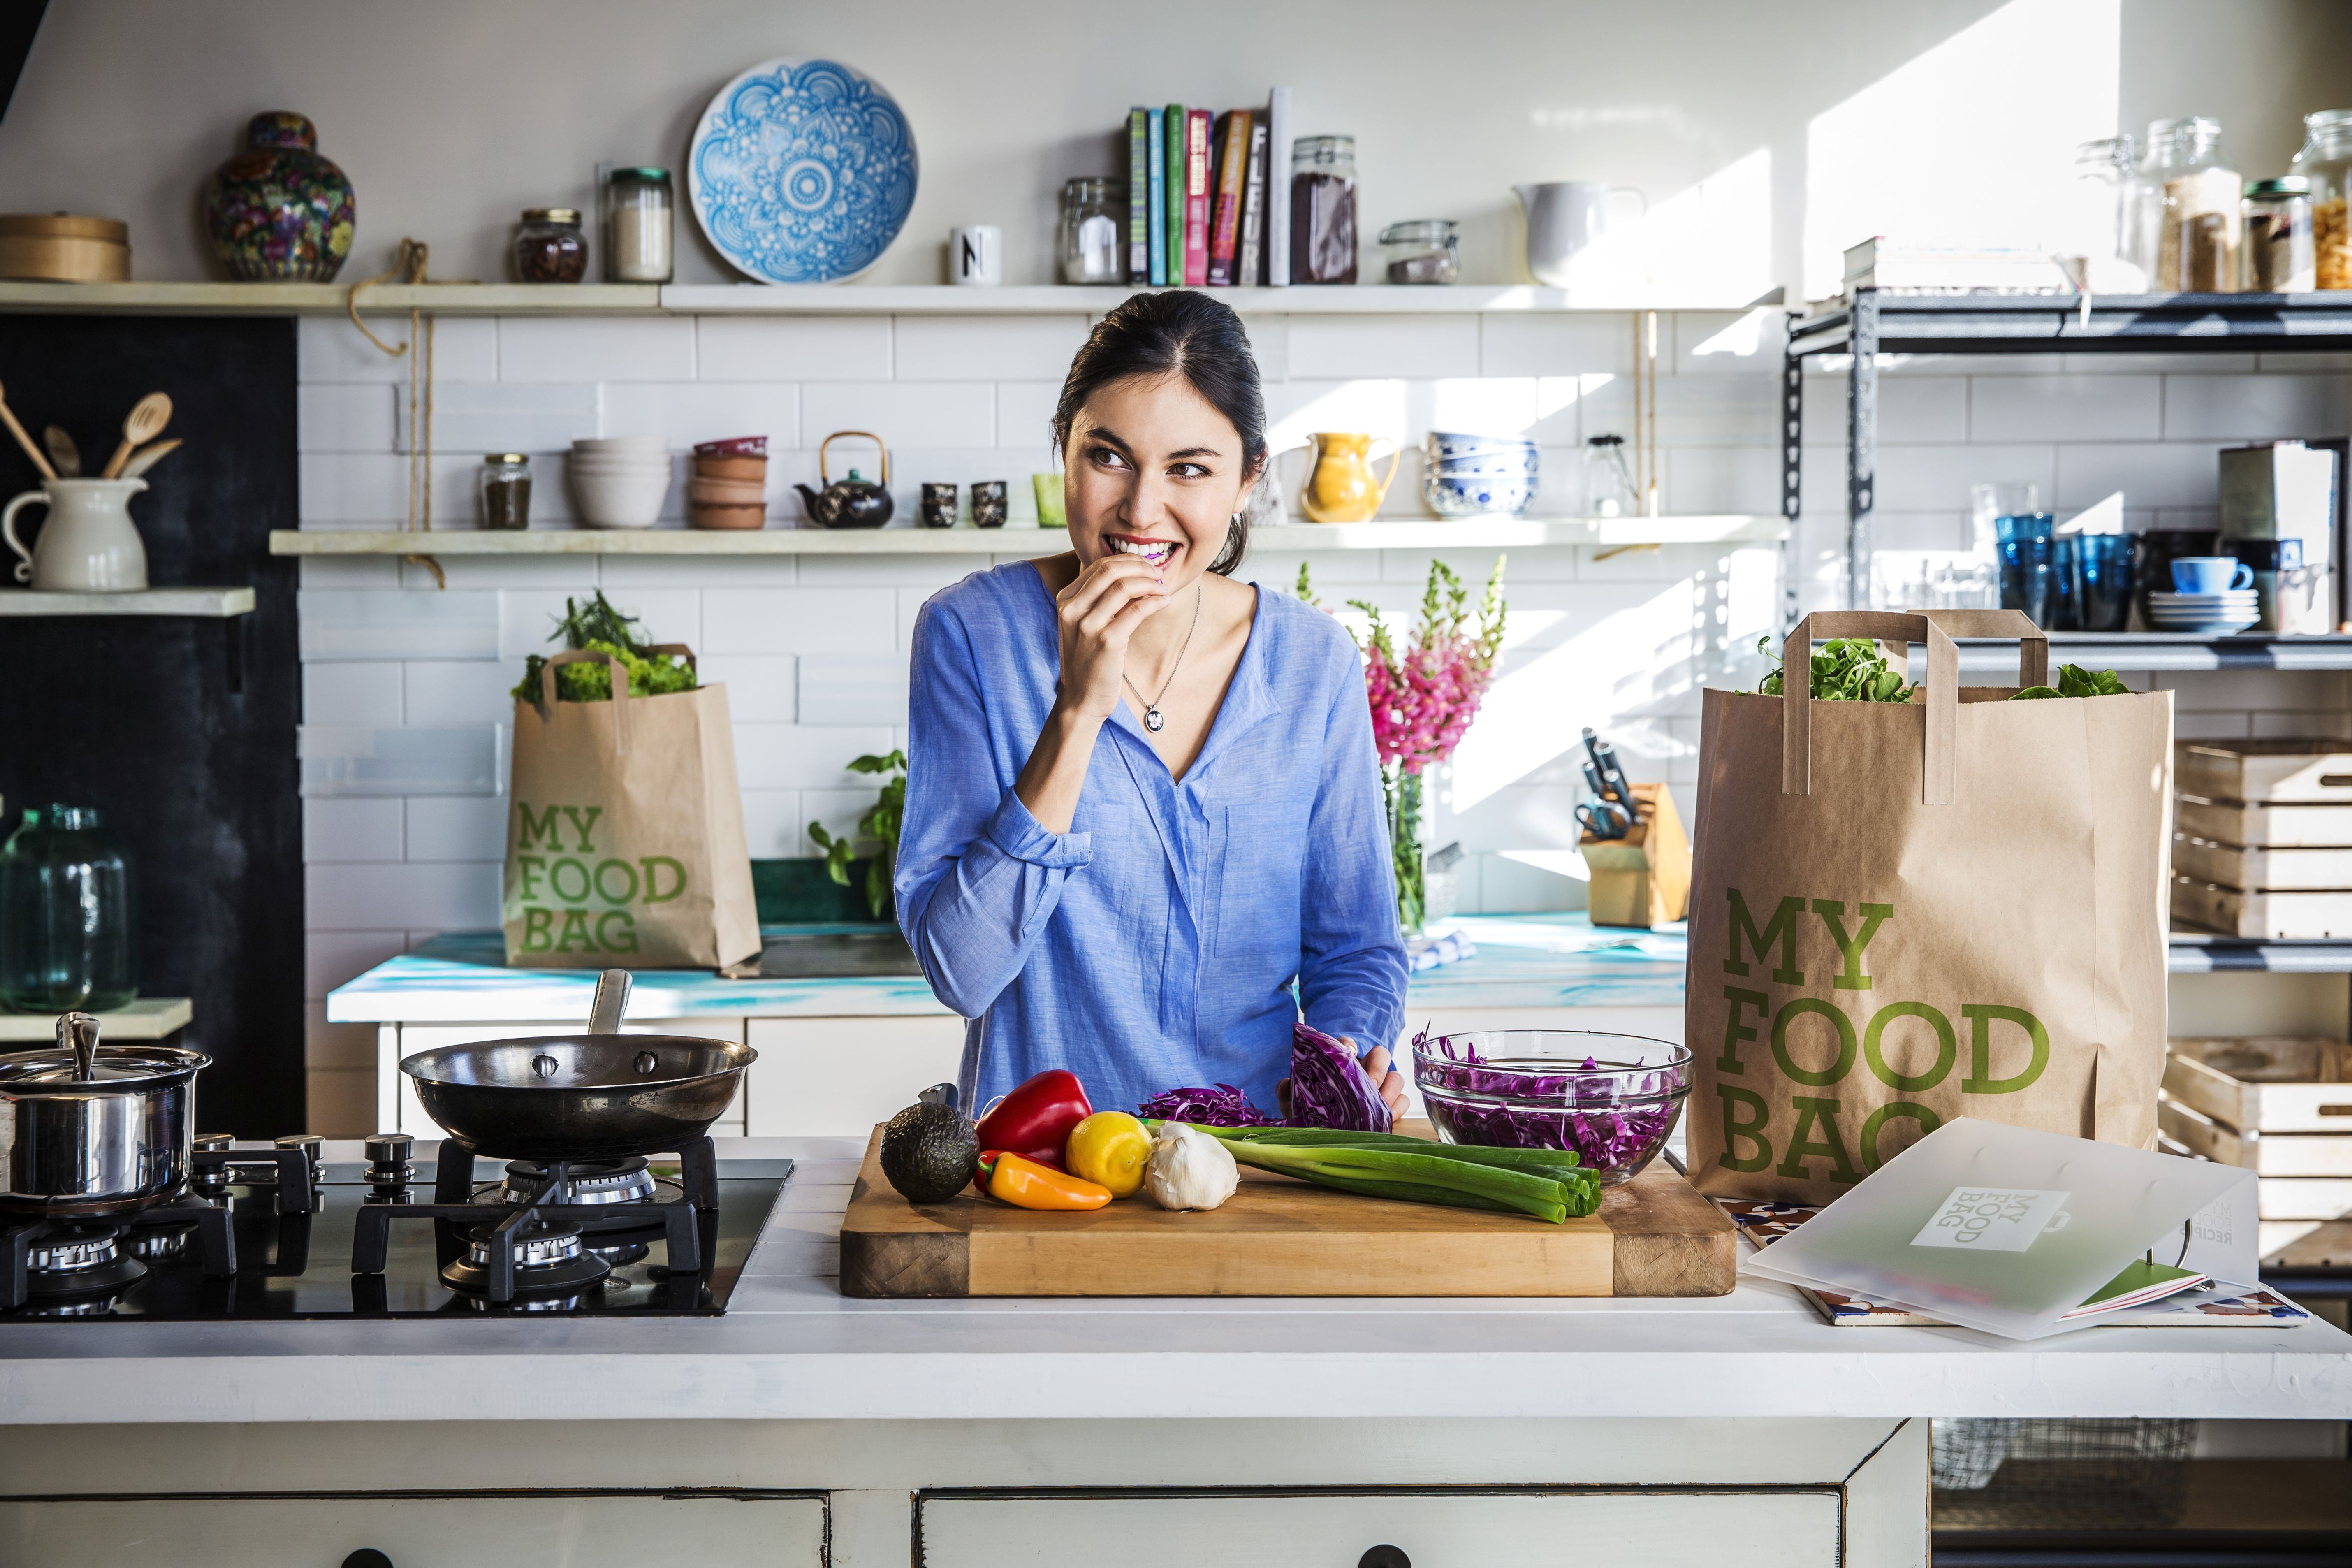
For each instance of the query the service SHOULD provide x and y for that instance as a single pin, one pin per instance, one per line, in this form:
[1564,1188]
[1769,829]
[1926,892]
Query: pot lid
[51,1068]
[66,225]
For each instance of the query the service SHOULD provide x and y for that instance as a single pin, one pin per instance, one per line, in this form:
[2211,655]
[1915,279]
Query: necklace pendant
[1152,720]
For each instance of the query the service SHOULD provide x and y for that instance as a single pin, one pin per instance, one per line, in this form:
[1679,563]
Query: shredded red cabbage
[1223,1106]
[1611,1120]
[1328,1087]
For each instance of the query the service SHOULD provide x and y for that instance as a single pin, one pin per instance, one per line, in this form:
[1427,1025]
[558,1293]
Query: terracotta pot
[755,468]
[705,517]
[726,493]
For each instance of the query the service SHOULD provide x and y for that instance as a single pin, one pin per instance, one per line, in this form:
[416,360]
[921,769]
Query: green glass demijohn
[68,926]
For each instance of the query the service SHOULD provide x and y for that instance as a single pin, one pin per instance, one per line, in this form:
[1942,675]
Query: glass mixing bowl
[1612,1098]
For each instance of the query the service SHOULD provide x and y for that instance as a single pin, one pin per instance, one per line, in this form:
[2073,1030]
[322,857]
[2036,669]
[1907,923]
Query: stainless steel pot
[86,1131]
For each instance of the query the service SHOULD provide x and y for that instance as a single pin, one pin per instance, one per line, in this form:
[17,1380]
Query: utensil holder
[1642,880]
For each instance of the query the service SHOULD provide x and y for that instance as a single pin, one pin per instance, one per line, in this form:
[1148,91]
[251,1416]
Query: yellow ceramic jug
[1341,490]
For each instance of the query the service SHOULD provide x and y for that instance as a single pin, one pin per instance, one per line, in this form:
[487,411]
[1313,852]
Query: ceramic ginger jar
[278,211]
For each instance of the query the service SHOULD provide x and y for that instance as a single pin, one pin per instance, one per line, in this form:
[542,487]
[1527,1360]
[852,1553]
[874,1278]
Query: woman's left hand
[1385,1079]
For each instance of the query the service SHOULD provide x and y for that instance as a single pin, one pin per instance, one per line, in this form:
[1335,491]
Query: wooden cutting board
[1653,1236]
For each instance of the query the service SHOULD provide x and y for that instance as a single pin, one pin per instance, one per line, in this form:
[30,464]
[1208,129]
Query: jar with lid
[2279,255]
[1323,209]
[548,247]
[2201,228]
[504,489]
[1608,490]
[68,926]
[637,225]
[1094,216]
[2325,160]
[1422,250]
[2099,225]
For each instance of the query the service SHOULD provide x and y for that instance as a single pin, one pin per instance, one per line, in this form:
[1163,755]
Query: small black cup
[988,504]
[939,505]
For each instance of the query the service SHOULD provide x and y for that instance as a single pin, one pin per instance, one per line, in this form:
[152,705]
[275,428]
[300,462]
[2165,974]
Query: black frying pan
[602,1095]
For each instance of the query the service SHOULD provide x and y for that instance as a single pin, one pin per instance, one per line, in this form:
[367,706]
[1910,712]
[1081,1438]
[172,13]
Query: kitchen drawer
[1664,1528]
[547,1531]
[416,1037]
[837,1077]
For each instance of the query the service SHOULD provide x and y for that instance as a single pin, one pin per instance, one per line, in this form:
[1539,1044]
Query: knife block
[1641,880]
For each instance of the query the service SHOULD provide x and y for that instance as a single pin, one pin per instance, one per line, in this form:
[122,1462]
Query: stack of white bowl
[1464,475]
[619,481]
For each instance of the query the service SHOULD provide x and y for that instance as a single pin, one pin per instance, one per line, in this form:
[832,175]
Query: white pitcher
[89,545]
[1565,218]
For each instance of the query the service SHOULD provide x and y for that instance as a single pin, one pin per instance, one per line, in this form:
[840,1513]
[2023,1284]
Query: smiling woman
[1143,813]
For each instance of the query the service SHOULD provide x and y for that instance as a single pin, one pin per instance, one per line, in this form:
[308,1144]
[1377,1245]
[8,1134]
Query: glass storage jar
[2279,255]
[2200,229]
[2098,226]
[69,921]
[504,489]
[1094,219]
[2325,160]
[1323,209]
[1422,250]
[1608,481]
[549,247]
[637,225]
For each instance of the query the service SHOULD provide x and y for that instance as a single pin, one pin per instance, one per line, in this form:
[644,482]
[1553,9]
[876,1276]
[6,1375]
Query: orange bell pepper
[1026,1183]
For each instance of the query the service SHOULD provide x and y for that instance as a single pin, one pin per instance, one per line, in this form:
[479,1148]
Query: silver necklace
[1152,715]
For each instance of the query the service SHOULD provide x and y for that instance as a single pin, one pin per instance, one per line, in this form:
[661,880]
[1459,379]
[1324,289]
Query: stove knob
[310,1143]
[209,1176]
[389,1148]
[213,1143]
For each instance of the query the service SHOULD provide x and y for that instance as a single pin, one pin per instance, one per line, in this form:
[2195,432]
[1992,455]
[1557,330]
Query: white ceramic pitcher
[88,544]
[1565,218]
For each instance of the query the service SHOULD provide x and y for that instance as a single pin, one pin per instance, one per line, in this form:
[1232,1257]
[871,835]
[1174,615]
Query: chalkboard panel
[181,731]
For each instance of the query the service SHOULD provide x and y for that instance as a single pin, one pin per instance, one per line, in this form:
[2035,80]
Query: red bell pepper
[1035,1119]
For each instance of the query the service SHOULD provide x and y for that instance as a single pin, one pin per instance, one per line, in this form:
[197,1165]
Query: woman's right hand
[1097,613]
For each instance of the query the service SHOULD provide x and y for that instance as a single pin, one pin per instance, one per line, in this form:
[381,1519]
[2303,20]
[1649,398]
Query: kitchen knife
[1614,774]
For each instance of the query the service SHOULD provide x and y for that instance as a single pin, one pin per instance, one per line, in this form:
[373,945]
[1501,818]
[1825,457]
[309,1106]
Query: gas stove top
[279,1234]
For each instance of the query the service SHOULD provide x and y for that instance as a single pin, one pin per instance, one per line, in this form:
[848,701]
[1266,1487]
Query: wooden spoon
[148,456]
[148,417]
[62,451]
[41,459]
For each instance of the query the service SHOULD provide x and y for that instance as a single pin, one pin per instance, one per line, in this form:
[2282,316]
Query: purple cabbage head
[1222,1106]
[1328,1085]
[1610,1119]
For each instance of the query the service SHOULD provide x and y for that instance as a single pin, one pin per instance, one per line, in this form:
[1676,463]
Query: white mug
[88,544]
[1565,218]
[976,257]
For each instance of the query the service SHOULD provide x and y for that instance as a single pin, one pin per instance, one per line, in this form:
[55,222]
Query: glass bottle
[1608,482]
[1323,209]
[69,921]
[548,247]
[2325,160]
[2201,229]
[1422,250]
[637,225]
[2280,258]
[504,489]
[1094,218]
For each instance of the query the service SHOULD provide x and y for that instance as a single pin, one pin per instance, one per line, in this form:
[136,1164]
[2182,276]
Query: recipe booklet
[2022,1233]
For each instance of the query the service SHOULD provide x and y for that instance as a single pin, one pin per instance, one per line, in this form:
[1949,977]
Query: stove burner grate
[48,1258]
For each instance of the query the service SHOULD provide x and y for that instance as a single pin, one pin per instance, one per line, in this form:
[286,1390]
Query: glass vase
[68,931]
[1403,792]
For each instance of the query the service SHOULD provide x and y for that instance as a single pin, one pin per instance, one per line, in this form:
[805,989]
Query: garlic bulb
[1190,1169]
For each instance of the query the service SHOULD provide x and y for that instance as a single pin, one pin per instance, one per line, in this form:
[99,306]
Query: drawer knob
[367,1557]
[1378,1557]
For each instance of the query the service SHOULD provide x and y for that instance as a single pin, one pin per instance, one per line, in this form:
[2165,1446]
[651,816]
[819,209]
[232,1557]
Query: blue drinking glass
[2105,577]
[2029,579]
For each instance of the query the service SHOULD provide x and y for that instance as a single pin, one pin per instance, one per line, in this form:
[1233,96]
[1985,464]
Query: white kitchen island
[805,1427]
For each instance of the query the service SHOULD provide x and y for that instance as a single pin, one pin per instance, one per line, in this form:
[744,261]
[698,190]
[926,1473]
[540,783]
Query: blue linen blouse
[1156,944]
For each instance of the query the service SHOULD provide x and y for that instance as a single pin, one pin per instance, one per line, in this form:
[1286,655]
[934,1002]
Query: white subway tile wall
[406,686]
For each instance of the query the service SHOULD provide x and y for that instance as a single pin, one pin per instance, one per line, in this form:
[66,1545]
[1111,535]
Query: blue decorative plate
[802,172]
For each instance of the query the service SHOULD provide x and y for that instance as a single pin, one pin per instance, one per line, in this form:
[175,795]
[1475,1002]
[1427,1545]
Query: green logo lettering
[1782,929]
[1797,1007]
[531,831]
[1734,1031]
[677,873]
[579,870]
[1948,1048]
[528,868]
[1821,1115]
[1928,1121]
[1832,913]
[604,881]
[581,825]
[574,933]
[1736,1132]
[1980,1017]
[626,939]
[535,936]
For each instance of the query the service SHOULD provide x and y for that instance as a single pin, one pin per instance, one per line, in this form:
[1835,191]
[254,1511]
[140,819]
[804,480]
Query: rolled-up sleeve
[977,876]
[1351,972]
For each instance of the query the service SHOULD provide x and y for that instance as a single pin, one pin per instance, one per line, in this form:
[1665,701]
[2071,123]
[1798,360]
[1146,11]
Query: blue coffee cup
[2210,574]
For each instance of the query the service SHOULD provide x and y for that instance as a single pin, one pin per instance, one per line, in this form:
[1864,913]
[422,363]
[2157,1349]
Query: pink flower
[1424,701]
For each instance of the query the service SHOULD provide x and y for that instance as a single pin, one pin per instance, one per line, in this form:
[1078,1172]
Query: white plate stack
[2212,614]
[619,481]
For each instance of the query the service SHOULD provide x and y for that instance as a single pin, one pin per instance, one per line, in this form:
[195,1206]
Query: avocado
[929,1152]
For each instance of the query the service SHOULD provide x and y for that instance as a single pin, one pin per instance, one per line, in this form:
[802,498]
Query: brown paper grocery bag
[625,831]
[1907,912]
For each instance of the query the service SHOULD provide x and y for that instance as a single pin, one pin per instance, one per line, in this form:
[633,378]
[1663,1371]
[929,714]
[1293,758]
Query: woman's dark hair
[1177,332]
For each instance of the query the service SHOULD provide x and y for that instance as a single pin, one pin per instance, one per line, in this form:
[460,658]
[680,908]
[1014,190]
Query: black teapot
[854,502]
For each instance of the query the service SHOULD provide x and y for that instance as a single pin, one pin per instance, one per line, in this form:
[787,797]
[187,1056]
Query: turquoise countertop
[1522,961]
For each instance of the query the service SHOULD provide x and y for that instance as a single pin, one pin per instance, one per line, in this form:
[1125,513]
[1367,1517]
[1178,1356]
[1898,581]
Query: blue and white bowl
[1473,494]
[1446,445]
[802,172]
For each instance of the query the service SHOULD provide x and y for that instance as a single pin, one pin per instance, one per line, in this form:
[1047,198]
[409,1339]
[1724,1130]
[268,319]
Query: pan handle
[612,998]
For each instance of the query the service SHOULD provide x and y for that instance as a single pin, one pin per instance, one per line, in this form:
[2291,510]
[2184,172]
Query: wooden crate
[2262,869]
[2316,768]
[2265,1084]
[2262,914]
[2323,1199]
[2287,825]
[2305,1243]
[2267,1155]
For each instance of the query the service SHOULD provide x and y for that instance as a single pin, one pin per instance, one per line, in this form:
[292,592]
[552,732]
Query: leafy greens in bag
[1847,669]
[597,627]
[2073,681]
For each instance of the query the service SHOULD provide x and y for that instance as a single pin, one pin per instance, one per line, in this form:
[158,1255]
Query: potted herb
[879,825]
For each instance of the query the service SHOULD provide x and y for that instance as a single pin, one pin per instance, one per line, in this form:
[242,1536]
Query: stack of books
[1205,195]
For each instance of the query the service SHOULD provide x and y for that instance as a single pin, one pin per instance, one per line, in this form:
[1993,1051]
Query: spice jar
[504,490]
[637,225]
[549,247]
[2098,225]
[2279,255]
[1094,213]
[2326,161]
[2203,229]
[1323,209]
[1422,250]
